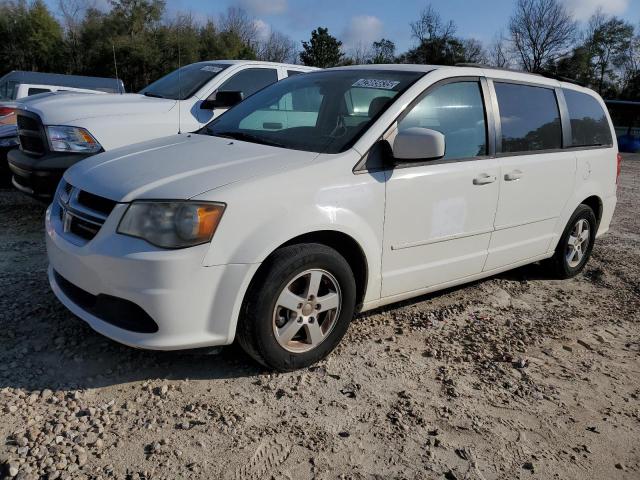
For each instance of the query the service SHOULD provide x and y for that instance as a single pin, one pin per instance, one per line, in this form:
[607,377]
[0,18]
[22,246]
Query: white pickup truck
[59,130]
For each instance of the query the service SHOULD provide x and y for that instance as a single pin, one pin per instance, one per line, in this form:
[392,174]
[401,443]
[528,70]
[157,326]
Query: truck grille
[81,213]
[31,133]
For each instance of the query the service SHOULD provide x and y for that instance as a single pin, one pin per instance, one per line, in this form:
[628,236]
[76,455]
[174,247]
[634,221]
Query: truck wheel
[576,243]
[298,308]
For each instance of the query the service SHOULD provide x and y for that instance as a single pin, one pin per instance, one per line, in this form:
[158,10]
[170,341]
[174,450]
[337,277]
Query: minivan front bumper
[191,305]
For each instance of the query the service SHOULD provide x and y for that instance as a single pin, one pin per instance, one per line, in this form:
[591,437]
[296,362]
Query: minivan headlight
[172,224]
[72,139]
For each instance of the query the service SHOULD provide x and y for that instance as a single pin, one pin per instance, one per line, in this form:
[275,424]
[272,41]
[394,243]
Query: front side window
[249,81]
[457,111]
[184,82]
[314,112]
[589,124]
[529,118]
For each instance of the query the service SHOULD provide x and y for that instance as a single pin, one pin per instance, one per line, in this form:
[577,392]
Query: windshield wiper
[248,137]
[152,95]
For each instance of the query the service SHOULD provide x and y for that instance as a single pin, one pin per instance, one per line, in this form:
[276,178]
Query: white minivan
[326,194]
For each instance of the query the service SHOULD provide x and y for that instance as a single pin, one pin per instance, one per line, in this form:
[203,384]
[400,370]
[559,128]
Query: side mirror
[417,143]
[222,100]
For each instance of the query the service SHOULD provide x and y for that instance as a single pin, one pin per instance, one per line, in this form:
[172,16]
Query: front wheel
[298,308]
[575,245]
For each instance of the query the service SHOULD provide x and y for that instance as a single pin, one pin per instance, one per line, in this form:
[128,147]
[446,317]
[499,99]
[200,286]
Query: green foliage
[322,50]
[384,51]
[31,38]
[438,43]
[608,42]
[599,60]
[147,45]
[443,51]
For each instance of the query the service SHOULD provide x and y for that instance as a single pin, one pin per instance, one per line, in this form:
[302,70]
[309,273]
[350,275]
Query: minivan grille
[31,134]
[94,202]
[81,213]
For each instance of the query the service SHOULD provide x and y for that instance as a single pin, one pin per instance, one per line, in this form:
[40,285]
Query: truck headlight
[72,139]
[172,224]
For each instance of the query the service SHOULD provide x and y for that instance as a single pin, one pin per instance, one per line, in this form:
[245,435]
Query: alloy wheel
[578,243]
[307,310]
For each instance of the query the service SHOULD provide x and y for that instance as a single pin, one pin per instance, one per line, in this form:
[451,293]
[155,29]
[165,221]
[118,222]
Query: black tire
[558,264]
[255,331]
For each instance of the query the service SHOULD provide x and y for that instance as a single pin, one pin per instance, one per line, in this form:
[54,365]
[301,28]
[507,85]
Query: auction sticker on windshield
[374,83]
[211,68]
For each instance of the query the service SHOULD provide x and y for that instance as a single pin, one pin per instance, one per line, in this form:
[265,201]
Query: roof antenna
[179,84]
[115,64]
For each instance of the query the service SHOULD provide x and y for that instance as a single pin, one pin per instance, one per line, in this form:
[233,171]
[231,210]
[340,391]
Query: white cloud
[583,9]
[362,31]
[264,7]
[263,29]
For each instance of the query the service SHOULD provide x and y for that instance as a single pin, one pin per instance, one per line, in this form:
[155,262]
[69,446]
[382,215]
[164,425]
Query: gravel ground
[517,376]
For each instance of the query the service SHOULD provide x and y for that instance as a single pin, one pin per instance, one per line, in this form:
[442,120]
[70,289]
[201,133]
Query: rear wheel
[575,245]
[298,308]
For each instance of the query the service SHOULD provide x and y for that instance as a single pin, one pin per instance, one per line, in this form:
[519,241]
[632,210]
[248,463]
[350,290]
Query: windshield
[184,82]
[324,112]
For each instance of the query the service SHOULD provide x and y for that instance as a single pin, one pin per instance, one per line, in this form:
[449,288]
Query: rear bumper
[39,176]
[608,207]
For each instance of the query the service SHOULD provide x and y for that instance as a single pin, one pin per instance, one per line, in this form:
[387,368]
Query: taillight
[7,116]
[619,168]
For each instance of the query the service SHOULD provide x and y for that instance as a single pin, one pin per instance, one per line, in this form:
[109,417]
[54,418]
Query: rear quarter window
[529,118]
[36,91]
[589,124]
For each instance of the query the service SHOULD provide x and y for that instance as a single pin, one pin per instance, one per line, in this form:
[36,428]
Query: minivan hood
[65,109]
[178,167]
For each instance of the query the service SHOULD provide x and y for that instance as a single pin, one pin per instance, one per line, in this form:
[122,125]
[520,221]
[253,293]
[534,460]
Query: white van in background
[18,84]
[336,191]
[57,131]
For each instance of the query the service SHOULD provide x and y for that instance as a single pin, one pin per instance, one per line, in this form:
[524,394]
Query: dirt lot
[518,376]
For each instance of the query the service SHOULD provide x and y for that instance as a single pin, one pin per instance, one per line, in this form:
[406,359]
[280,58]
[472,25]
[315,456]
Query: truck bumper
[39,176]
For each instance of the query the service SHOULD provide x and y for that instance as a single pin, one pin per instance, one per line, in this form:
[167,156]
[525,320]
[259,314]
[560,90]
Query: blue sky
[361,22]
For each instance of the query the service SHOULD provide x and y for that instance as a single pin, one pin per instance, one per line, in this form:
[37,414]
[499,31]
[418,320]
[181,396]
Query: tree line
[541,37]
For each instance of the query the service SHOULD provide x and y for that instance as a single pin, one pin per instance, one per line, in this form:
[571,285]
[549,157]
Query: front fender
[265,213]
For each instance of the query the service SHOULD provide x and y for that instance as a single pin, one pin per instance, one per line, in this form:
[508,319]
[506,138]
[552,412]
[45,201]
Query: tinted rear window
[36,91]
[529,117]
[589,124]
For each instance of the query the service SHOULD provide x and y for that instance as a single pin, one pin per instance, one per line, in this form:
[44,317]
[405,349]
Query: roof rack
[554,76]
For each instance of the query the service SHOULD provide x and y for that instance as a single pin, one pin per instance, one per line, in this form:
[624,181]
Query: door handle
[484,179]
[512,176]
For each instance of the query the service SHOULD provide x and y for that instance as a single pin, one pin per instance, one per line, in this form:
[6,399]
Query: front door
[439,214]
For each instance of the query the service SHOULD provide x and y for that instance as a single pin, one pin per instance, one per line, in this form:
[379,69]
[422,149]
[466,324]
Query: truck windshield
[184,82]
[324,112]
